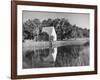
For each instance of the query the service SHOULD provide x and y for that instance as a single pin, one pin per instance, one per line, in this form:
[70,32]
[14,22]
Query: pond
[65,56]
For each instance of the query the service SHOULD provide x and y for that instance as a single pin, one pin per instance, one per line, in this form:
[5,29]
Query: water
[72,56]
[66,56]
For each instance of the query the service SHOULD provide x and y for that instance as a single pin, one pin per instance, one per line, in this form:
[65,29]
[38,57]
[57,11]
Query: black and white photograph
[55,39]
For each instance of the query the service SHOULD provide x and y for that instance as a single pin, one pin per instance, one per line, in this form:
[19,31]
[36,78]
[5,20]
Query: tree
[51,38]
[43,36]
[63,28]
[29,28]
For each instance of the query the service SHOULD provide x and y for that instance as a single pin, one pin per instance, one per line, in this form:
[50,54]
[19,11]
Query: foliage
[63,28]
[30,28]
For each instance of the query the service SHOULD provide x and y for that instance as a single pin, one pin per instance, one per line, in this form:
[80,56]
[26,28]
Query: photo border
[14,38]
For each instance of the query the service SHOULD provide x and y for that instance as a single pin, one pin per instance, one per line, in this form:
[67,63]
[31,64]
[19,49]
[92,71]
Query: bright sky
[81,20]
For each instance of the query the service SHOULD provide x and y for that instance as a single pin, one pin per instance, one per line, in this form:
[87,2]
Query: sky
[80,19]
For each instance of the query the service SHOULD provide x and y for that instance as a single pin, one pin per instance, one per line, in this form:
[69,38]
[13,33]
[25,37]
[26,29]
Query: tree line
[64,29]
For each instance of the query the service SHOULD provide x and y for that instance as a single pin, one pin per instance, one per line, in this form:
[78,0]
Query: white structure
[51,32]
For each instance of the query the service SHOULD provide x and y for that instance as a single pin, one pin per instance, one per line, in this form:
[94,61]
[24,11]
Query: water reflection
[65,56]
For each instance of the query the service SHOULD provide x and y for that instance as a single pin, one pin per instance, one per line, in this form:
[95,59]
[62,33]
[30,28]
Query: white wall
[5,35]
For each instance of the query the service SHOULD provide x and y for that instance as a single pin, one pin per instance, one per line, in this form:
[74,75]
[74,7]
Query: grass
[33,45]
